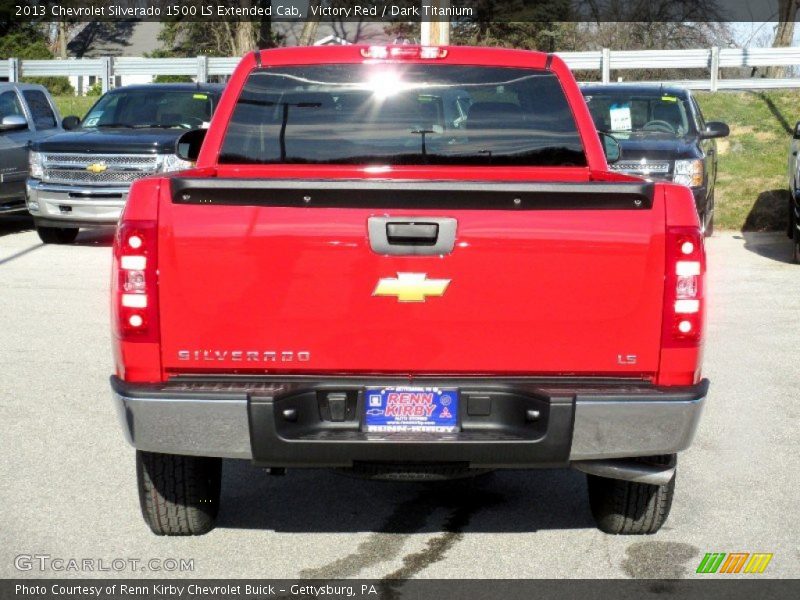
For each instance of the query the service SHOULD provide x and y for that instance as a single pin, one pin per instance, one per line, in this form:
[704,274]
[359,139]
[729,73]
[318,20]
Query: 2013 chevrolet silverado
[407,262]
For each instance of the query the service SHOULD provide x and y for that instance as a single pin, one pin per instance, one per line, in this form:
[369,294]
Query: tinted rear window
[402,114]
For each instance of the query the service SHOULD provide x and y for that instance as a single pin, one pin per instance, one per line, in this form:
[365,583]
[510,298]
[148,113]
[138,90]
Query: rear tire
[626,507]
[57,235]
[179,495]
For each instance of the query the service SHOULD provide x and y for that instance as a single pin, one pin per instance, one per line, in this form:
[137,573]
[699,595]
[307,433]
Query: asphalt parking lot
[67,481]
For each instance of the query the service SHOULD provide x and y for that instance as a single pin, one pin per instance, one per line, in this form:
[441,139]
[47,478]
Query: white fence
[604,61]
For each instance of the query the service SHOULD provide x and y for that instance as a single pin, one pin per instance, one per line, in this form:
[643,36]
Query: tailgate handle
[418,234]
[412,235]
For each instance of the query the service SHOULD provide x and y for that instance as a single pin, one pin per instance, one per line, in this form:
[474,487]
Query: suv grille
[98,169]
[657,169]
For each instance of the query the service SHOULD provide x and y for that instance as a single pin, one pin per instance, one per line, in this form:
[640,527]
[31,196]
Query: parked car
[350,279]
[663,136]
[793,175]
[80,178]
[27,114]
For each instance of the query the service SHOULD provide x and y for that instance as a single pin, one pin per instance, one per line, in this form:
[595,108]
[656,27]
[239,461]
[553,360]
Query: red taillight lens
[134,280]
[403,52]
[684,305]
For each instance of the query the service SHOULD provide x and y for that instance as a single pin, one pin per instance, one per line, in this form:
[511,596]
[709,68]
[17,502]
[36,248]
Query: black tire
[625,507]
[794,234]
[796,246]
[57,235]
[709,230]
[179,495]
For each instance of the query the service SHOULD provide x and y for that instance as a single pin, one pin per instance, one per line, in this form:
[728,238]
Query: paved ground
[67,486]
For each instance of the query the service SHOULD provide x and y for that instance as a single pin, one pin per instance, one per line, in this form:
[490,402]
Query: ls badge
[411,287]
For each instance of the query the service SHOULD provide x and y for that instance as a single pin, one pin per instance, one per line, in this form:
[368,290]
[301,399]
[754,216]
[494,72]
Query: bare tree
[784,31]
[61,32]
[309,33]
[217,38]
[350,31]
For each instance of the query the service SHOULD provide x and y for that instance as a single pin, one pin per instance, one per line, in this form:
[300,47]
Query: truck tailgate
[282,276]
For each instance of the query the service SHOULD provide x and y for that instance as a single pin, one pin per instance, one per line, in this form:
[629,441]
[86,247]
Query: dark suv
[663,135]
[80,178]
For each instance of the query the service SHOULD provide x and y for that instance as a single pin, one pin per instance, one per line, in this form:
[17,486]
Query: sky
[758,34]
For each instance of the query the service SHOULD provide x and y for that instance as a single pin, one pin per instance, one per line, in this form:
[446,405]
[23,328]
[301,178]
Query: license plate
[411,409]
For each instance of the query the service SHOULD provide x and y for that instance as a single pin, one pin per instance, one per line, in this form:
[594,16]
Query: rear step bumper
[505,422]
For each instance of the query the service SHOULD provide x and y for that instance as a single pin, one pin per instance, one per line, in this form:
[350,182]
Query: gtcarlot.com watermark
[58,564]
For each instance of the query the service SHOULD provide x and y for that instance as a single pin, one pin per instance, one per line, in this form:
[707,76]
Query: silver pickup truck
[27,114]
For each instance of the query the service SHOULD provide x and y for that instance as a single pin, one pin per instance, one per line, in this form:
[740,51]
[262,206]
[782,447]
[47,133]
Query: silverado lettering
[440,227]
[246,355]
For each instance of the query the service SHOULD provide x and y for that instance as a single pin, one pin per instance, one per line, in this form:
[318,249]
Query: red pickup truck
[406,262]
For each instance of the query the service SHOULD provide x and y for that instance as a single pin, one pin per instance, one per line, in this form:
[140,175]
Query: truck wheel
[57,235]
[794,234]
[796,246]
[626,507]
[179,495]
[709,230]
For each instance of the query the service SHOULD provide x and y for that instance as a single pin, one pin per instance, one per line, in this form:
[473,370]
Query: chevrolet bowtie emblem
[410,287]
[97,167]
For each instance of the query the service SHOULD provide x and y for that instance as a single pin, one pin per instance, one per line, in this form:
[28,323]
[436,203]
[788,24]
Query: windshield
[140,108]
[656,114]
[402,114]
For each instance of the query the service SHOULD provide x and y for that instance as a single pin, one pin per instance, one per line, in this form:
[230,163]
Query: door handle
[412,236]
[416,234]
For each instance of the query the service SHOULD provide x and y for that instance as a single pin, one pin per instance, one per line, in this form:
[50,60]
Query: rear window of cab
[393,114]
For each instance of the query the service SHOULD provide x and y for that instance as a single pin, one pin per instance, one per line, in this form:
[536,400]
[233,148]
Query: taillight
[684,307]
[134,282]
[404,52]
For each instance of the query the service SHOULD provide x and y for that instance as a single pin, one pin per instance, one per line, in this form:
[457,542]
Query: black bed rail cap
[421,194]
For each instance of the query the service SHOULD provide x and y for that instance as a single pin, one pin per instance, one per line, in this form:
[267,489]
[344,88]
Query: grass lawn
[752,192]
[74,105]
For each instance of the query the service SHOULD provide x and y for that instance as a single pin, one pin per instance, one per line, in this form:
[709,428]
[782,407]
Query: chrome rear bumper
[620,428]
[228,420]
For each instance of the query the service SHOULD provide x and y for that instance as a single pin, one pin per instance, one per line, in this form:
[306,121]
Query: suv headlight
[35,166]
[171,162]
[689,172]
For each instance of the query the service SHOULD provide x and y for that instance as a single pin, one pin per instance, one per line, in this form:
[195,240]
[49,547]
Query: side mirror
[70,123]
[13,123]
[796,134]
[611,147]
[716,129]
[187,147]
